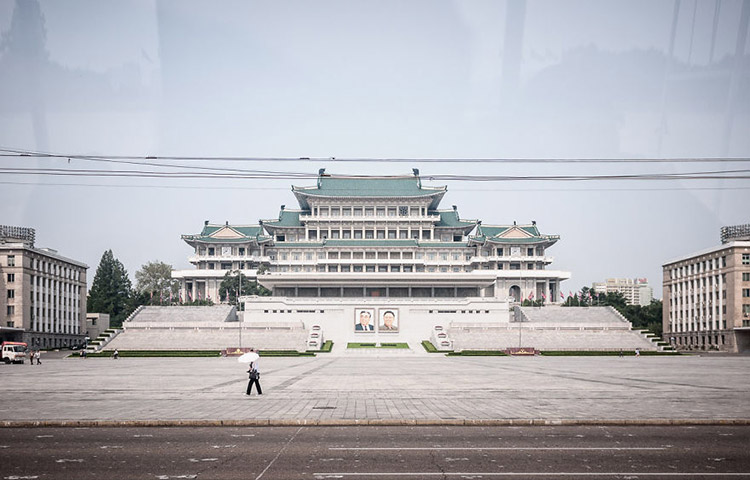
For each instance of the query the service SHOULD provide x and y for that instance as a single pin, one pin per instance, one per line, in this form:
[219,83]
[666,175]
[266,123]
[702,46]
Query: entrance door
[515,293]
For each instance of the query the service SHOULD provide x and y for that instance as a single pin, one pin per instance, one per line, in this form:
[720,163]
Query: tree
[236,282]
[111,292]
[155,284]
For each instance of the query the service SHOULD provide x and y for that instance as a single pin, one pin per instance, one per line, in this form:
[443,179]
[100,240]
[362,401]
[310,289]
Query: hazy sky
[378,79]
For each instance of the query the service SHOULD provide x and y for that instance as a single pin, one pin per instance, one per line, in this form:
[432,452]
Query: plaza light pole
[242,318]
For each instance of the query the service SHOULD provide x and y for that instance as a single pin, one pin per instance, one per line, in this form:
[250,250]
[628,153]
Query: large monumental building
[43,300]
[707,295]
[380,244]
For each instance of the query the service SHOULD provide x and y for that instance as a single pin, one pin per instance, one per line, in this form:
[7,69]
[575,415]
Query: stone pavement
[408,388]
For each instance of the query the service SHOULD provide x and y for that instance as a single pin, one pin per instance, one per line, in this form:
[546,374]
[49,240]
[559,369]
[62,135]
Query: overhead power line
[11,152]
[742,174]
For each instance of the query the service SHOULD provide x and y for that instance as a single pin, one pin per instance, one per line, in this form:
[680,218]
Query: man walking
[254,375]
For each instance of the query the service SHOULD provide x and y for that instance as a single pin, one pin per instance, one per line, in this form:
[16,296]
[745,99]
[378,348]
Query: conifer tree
[111,291]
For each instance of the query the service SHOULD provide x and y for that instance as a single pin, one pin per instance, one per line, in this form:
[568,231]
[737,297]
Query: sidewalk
[379,389]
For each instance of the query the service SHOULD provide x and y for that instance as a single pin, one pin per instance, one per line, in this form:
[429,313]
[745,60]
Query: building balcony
[546,259]
[195,259]
[370,218]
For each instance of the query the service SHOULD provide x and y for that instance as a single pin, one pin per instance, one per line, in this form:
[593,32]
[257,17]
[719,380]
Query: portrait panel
[388,320]
[364,319]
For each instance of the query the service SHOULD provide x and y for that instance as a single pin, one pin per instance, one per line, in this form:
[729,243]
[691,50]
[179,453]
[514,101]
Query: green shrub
[598,353]
[429,346]
[373,345]
[326,348]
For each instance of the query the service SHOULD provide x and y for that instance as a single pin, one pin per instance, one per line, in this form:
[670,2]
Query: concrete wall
[338,316]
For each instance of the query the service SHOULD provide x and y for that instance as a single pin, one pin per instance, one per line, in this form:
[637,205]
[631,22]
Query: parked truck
[14,352]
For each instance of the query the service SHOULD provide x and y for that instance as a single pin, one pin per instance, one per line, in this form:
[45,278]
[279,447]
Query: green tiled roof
[493,234]
[358,187]
[248,233]
[287,218]
[449,218]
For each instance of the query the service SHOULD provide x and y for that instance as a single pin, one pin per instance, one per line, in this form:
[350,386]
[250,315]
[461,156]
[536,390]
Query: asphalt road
[287,453]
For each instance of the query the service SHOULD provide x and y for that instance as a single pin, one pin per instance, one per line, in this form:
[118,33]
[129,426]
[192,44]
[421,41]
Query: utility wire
[741,174]
[11,152]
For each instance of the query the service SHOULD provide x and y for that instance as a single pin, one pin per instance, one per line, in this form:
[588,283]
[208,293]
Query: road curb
[377,422]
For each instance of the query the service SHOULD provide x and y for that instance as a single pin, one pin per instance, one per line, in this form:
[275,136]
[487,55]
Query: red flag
[531,295]
[544,297]
[562,295]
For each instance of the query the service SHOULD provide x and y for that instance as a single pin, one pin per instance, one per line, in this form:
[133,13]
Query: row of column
[56,306]
[687,311]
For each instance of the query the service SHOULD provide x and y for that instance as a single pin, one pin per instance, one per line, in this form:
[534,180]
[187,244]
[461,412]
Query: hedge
[429,346]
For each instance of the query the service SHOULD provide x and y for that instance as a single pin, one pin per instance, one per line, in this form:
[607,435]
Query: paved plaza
[378,389]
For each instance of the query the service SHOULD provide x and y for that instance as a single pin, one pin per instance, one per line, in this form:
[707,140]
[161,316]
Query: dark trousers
[257,386]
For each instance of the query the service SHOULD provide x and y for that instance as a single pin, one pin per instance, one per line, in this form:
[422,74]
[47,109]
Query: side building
[43,301]
[707,296]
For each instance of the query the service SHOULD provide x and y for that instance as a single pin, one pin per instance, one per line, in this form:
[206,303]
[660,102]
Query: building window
[345,268]
[391,234]
[370,268]
[211,251]
[11,310]
[242,252]
[381,234]
[382,268]
[403,211]
[357,268]
[347,212]
[403,234]
[11,294]
[407,268]
[745,292]
[369,234]
[426,235]
[357,211]
[515,266]
[745,277]
[346,234]
[529,266]
[11,260]
[358,234]
[12,277]
[369,212]
[380,212]
[335,234]
[391,211]
[529,252]
[746,258]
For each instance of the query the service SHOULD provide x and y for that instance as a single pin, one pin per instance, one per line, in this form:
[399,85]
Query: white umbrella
[248,357]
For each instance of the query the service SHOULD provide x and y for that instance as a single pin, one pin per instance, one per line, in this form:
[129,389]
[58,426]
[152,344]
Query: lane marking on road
[279,454]
[527,474]
[496,448]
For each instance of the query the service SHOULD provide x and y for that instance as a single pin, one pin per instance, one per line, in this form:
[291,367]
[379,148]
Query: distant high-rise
[635,290]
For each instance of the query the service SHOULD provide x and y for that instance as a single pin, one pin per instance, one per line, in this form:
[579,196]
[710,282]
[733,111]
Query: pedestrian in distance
[38,357]
[116,354]
[30,354]
[637,352]
[254,378]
